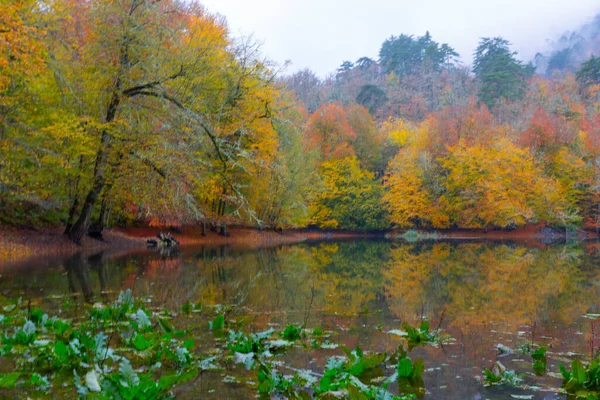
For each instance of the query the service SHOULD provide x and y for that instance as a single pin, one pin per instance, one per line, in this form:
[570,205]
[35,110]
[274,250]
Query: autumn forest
[114,113]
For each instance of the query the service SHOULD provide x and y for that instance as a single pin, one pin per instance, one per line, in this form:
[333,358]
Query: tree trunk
[203,228]
[83,223]
[96,228]
[219,212]
[75,204]
[598,221]
[71,215]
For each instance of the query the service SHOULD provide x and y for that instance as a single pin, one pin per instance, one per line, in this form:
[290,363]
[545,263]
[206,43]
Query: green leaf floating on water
[291,333]
[499,375]
[142,319]
[540,362]
[61,351]
[8,381]
[583,380]
[405,368]
[218,323]
[578,371]
[165,325]
[141,343]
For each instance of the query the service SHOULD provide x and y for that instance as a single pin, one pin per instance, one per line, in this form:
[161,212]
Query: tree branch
[191,114]
[149,163]
[131,92]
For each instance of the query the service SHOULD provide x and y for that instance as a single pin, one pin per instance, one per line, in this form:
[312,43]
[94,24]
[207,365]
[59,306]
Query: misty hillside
[571,50]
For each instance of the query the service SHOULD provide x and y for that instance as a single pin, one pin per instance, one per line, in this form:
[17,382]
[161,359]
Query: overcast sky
[320,34]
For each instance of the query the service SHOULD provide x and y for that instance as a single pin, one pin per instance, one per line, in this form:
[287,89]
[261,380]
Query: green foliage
[404,54]
[498,375]
[358,363]
[350,198]
[583,380]
[419,336]
[341,374]
[372,97]
[253,343]
[270,381]
[589,73]
[8,381]
[499,72]
[217,324]
[410,373]
[127,384]
[187,307]
[53,345]
[559,60]
[413,236]
[539,361]
[292,333]
[539,358]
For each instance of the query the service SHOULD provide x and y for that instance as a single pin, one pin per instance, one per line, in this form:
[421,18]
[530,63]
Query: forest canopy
[135,111]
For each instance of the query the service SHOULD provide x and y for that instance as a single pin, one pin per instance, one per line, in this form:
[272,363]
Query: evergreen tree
[405,55]
[499,73]
[589,73]
[371,97]
[559,60]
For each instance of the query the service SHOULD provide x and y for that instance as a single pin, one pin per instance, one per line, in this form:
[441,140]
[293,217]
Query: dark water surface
[481,294]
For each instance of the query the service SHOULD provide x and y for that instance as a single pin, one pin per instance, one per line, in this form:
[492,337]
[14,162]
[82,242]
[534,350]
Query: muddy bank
[531,235]
[533,232]
[244,236]
[19,244]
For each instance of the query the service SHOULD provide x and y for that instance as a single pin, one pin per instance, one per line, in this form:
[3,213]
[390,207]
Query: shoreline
[21,244]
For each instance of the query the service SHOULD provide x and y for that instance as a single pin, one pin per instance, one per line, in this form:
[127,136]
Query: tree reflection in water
[481,293]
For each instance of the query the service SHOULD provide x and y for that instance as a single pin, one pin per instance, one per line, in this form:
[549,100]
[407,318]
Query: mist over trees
[571,50]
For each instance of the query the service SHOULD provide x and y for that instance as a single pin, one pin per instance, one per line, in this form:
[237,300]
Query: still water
[481,294]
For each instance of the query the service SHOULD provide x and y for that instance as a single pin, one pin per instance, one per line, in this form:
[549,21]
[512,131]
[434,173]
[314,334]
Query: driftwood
[164,240]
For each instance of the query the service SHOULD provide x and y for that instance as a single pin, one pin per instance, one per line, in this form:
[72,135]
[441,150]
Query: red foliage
[330,132]
[591,126]
[547,130]
[471,124]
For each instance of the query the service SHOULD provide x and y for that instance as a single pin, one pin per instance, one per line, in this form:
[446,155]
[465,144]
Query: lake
[481,295]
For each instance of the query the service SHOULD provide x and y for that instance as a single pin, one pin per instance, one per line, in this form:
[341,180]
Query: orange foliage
[472,124]
[330,133]
[591,127]
[546,130]
[19,43]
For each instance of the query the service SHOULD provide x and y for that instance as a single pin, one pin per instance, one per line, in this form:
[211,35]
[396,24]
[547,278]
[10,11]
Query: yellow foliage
[490,186]
[19,43]
[398,132]
[406,198]
[521,285]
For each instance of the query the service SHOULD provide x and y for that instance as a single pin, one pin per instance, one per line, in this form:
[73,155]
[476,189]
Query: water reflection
[481,293]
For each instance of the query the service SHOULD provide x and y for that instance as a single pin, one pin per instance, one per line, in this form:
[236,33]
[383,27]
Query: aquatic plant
[583,381]
[98,353]
[419,336]
[499,375]
[413,236]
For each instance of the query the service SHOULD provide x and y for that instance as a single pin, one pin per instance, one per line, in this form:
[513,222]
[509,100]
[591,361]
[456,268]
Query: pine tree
[499,73]
[589,73]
